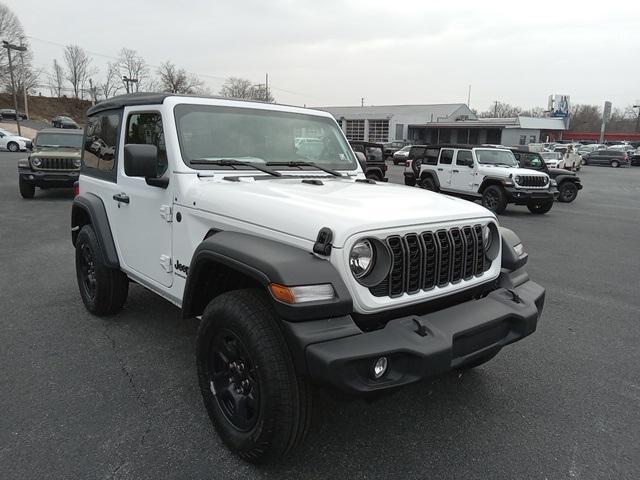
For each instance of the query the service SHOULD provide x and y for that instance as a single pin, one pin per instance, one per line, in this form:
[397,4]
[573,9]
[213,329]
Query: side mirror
[362,160]
[141,160]
[470,164]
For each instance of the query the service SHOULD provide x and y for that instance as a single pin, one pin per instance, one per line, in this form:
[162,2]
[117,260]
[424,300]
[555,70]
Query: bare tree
[501,110]
[133,66]
[112,82]
[11,30]
[234,87]
[176,80]
[56,79]
[78,68]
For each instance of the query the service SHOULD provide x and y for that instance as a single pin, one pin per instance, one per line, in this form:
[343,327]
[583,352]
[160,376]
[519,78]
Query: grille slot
[52,163]
[420,261]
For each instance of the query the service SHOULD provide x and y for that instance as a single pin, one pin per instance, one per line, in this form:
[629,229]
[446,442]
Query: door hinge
[165,261]
[166,213]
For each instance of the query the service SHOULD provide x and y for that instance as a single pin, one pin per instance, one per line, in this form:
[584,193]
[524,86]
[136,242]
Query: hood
[506,171]
[55,152]
[345,206]
[561,171]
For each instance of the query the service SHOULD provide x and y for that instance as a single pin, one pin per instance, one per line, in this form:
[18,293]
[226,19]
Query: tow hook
[514,296]
[422,328]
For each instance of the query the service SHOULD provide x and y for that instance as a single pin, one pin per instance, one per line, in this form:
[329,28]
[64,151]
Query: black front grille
[48,163]
[421,261]
[531,181]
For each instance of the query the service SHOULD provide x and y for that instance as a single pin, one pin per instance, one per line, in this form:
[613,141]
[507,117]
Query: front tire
[495,199]
[540,208]
[428,184]
[13,147]
[568,192]
[27,190]
[615,164]
[103,289]
[257,403]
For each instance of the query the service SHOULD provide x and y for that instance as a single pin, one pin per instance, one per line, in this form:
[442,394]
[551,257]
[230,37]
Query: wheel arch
[489,181]
[88,209]
[227,261]
[432,175]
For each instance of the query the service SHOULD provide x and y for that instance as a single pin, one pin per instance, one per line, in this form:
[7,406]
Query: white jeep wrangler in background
[211,204]
[486,173]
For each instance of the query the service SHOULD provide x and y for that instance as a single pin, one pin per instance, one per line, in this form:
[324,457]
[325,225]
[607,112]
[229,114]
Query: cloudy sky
[333,52]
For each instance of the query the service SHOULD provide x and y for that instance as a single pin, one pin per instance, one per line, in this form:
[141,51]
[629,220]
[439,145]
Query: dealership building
[443,123]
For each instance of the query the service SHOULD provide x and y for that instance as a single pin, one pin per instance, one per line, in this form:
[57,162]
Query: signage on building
[559,106]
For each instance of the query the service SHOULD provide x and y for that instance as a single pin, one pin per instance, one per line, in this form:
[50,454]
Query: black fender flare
[511,261]
[89,208]
[432,174]
[491,181]
[376,170]
[566,178]
[267,261]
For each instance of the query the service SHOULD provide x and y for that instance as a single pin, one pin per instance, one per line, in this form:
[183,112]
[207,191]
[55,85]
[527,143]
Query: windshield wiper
[305,164]
[230,162]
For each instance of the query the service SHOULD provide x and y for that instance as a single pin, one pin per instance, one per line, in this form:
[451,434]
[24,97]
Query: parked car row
[10,114]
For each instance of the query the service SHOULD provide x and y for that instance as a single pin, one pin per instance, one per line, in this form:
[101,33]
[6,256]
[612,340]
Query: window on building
[462,135]
[523,140]
[399,131]
[379,131]
[473,136]
[532,139]
[444,135]
[354,129]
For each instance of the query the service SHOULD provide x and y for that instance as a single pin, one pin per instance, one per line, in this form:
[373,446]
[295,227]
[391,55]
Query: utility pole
[127,81]
[637,119]
[469,98]
[362,102]
[24,81]
[495,109]
[19,48]
[266,87]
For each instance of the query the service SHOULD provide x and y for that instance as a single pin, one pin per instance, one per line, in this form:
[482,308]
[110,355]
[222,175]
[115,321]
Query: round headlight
[361,258]
[36,162]
[77,162]
[487,237]
[518,178]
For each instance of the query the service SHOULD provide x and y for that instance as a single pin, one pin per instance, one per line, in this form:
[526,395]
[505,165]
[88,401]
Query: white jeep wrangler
[486,173]
[209,204]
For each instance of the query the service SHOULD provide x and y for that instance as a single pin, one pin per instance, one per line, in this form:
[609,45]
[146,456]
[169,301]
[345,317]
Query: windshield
[207,132]
[59,140]
[406,149]
[496,157]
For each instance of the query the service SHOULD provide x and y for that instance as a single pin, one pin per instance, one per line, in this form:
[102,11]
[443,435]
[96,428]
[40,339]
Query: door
[463,173]
[445,168]
[141,214]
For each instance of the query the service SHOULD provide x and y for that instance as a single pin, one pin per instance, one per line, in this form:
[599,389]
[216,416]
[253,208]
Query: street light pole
[637,118]
[18,48]
[127,81]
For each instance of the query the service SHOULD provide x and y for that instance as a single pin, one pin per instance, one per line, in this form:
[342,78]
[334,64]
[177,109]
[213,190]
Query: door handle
[121,198]
[440,169]
[455,171]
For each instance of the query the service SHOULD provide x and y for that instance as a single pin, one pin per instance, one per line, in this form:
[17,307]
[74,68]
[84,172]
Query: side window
[101,144]
[446,157]
[146,128]
[464,157]
[532,160]
[431,157]
[416,152]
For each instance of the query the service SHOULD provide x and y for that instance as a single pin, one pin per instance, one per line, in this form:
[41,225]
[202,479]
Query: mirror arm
[162,182]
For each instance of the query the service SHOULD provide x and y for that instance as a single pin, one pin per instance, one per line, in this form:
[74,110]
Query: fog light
[379,368]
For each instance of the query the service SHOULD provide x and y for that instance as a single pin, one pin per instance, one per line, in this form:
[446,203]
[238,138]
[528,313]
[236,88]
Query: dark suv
[613,158]
[568,182]
[61,121]
[376,168]
[55,161]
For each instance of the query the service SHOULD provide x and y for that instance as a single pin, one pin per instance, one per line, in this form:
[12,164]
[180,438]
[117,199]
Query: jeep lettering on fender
[253,217]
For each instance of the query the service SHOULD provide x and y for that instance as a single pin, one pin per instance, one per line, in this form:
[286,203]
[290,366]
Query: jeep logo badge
[181,268]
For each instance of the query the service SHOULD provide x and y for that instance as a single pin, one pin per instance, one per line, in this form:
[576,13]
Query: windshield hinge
[166,213]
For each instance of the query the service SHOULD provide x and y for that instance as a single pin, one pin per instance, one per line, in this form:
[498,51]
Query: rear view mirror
[141,160]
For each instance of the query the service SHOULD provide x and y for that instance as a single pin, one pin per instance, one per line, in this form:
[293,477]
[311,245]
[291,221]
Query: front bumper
[47,178]
[522,196]
[337,353]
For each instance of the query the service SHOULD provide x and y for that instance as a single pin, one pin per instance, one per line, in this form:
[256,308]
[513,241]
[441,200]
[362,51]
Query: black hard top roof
[142,98]
[64,131]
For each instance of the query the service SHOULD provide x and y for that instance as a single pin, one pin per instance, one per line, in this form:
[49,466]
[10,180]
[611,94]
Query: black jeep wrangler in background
[568,182]
[376,168]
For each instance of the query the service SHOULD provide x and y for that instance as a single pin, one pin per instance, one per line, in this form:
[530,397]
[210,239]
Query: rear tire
[428,183]
[568,192]
[103,289]
[540,208]
[261,408]
[27,190]
[495,199]
[615,164]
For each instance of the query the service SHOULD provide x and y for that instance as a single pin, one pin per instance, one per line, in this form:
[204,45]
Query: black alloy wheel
[235,380]
[88,271]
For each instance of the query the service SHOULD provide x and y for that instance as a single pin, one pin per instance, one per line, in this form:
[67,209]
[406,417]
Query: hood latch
[323,242]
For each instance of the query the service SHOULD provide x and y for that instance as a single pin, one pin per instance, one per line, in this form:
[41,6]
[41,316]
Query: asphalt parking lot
[83,397]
